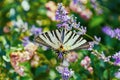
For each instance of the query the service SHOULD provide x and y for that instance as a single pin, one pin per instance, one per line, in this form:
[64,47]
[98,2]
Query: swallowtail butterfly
[62,41]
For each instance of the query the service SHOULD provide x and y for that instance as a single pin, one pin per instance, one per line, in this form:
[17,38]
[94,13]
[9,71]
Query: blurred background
[21,20]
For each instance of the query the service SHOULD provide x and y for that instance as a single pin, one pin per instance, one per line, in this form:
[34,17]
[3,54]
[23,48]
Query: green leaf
[96,21]
[105,74]
[41,69]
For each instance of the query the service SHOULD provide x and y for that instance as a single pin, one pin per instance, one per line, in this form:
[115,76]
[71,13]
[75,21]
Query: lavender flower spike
[68,22]
[25,41]
[65,72]
[103,57]
[35,31]
[117,58]
[117,33]
[97,39]
[92,43]
[75,1]
[61,13]
[83,30]
[117,74]
[107,30]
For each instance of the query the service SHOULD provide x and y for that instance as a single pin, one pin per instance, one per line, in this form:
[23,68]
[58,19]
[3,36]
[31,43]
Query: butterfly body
[61,48]
[62,40]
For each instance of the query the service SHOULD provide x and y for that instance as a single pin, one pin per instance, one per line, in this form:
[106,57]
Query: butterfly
[62,41]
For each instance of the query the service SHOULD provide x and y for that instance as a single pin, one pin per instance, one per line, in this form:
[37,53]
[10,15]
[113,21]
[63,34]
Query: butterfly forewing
[39,40]
[57,34]
[50,39]
[67,36]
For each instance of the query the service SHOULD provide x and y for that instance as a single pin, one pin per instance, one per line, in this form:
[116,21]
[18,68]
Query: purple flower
[103,57]
[91,45]
[60,55]
[25,41]
[61,13]
[68,22]
[107,30]
[82,31]
[117,58]
[75,1]
[95,41]
[65,25]
[65,72]
[117,33]
[35,31]
[117,74]
[96,6]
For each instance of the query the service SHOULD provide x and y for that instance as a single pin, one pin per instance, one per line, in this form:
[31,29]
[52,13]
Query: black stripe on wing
[47,35]
[52,33]
[74,41]
[68,32]
[51,39]
[45,39]
[62,35]
[74,35]
[44,35]
[77,40]
[83,46]
[41,41]
[56,35]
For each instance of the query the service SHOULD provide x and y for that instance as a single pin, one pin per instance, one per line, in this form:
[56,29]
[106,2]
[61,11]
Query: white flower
[25,5]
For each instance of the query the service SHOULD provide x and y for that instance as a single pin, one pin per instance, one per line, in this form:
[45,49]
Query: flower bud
[72,56]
